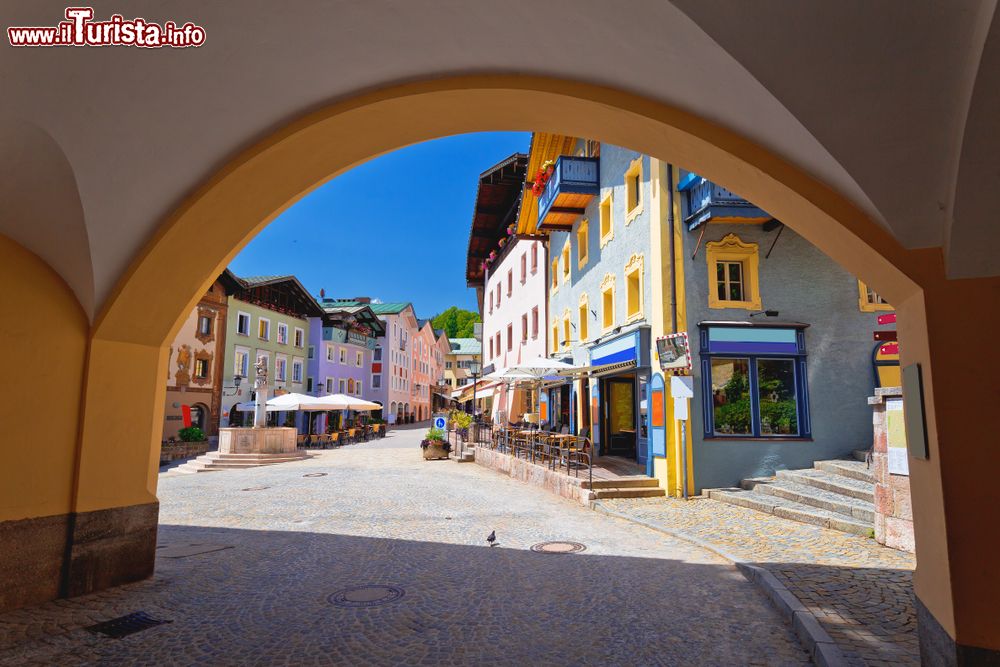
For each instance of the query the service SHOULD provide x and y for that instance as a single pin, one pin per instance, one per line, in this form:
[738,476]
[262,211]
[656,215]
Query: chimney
[363,299]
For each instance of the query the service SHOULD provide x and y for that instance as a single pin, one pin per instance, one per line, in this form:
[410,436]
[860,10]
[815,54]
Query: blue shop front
[620,372]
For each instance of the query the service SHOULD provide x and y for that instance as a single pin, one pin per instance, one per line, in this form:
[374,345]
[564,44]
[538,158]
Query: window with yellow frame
[608,302]
[605,213]
[555,273]
[869,301]
[554,344]
[566,328]
[582,240]
[733,274]
[584,316]
[633,288]
[633,190]
[565,261]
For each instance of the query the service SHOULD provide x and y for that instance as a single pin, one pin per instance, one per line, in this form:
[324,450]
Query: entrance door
[619,416]
[585,410]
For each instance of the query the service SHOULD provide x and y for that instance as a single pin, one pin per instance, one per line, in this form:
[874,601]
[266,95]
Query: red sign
[885,335]
[889,318]
[377,367]
[889,348]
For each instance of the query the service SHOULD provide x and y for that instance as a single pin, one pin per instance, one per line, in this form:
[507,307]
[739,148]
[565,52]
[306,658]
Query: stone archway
[123,384]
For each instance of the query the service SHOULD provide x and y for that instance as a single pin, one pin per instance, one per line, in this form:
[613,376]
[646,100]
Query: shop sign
[895,436]
[674,352]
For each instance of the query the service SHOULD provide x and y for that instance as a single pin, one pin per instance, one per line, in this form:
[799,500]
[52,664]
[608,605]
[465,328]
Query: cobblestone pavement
[381,515]
[860,591]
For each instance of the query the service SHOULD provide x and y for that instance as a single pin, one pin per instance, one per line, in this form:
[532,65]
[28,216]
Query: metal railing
[541,445]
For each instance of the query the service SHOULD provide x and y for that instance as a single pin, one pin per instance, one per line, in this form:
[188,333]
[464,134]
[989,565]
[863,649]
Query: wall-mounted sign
[674,351]
[888,318]
[885,335]
[681,389]
[895,427]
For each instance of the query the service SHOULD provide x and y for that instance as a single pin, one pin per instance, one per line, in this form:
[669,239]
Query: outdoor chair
[352,435]
[580,451]
[301,441]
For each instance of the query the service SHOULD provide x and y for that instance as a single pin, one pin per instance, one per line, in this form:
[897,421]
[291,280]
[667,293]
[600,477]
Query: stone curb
[816,640]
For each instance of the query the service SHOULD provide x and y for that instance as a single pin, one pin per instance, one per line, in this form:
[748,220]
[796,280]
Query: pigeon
[492,539]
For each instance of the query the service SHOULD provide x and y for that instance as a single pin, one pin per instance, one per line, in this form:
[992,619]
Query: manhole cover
[256,488]
[123,626]
[372,595]
[315,474]
[558,547]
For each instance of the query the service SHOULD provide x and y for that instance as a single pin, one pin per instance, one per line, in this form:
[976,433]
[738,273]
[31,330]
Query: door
[585,409]
[619,416]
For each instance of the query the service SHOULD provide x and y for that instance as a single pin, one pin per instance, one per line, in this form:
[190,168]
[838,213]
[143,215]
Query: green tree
[456,322]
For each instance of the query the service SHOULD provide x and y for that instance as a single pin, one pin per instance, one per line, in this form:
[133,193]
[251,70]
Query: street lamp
[475,368]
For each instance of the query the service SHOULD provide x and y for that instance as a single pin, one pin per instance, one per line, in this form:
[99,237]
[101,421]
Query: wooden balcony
[705,201]
[574,183]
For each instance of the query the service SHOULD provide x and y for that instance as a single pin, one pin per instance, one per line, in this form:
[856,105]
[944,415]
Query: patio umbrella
[533,371]
[345,402]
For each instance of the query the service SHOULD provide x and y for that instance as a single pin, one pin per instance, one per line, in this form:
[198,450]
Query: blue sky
[395,228]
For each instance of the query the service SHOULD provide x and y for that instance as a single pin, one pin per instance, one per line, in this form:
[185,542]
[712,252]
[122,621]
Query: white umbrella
[345,402]
[538,368]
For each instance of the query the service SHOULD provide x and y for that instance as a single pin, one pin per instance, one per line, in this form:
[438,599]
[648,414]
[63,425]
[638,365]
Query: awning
[610,369]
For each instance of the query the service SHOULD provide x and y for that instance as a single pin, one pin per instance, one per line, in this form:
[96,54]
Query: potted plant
[460,422]
[435,444]
[191,434]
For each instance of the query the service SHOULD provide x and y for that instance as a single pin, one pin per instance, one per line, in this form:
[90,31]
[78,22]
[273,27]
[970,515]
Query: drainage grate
[255,488]
[124,626]
[558,547]
[370,595]
[315,474]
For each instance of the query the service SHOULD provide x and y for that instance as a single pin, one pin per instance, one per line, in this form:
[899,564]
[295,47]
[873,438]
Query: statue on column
[260,397]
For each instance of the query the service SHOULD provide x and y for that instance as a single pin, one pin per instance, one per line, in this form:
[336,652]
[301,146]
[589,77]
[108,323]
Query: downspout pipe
[673,267]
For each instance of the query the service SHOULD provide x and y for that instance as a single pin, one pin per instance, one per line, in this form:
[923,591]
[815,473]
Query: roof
[465,346]
[253,281]
[279,293]
[349,315]
[498,198]
[377,308]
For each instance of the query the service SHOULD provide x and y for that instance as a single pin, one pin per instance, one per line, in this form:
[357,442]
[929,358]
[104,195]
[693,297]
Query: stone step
[621,483]
[290,456]
[821,479]
[852,508]
[860,454]
[789,509]
[629,492]
[853,469]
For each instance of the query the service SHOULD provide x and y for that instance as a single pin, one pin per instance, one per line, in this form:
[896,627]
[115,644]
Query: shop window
[264,329]
[243,324]
[869,301]
[582,239]
[608,302]
[584,315]
[633,288]
[565,262]
[733,274]
[633,190]
[605,215]
[282,338]
[755,395]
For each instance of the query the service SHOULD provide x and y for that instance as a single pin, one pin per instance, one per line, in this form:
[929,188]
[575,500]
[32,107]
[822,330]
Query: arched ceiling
[881,104]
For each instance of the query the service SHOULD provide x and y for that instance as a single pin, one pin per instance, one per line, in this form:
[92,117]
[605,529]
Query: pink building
[514,318]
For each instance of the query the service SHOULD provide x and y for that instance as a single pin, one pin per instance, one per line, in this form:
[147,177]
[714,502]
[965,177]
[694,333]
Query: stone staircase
[836,494]
[624,487]
[214,461]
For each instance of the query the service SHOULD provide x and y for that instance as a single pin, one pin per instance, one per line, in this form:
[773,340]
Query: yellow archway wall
[125,379]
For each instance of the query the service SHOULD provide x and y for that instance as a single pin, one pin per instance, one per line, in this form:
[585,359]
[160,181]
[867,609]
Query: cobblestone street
[285,542]
[861,592]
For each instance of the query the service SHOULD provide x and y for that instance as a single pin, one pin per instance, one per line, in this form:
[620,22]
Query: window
[554,343]
[201,368]
[280,368]
[633,190]
[510,337]
[204,325]
[498,344]
[582,239]
[343,356]
[732,274]
[565,261]
[608,302]
[309,385]
[329,385]
[524,267]
[350,385]
[342,386]
[607,226]
[359,358]
[297,371]
[583,315]
[376,382]
[524,326]
[357,388]
[510,281]
[264,329]
[282,333]
[555,273]
[755,396]
[377,354]
[329,352]
[491,348]
[869,301]
[593,148]
[241,362]
[566,335]
[300,337]
[312,352]
[633,288]
[447,364]
[243,324]
[534,322]
[534,258]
